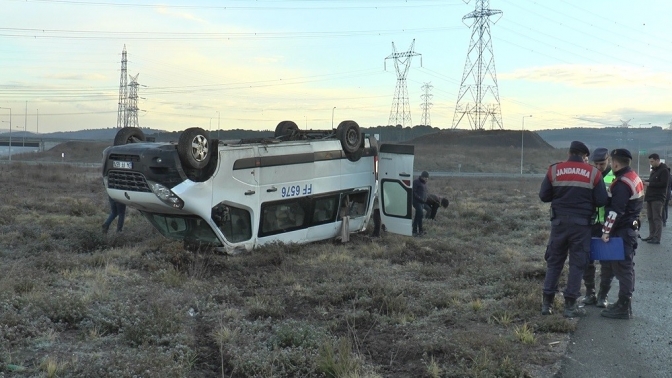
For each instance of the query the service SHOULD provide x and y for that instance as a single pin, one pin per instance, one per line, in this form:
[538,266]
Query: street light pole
[522,145]
[639,148]
[332,117]
[10,132]
[217,124]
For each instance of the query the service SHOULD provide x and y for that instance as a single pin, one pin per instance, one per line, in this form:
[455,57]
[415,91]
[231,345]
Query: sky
[250,64]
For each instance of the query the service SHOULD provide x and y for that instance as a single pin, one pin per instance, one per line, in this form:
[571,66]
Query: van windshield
[190,228]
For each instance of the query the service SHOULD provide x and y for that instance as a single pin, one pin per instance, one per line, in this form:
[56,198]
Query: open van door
[395,187]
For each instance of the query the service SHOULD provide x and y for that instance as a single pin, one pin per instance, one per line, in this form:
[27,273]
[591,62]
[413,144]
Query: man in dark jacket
[432,205]
[656,194]
[622,220]
[574,189]
[419,199]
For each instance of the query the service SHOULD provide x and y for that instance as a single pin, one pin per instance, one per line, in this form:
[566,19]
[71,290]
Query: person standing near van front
[656,193]
[117,209]
[419,199]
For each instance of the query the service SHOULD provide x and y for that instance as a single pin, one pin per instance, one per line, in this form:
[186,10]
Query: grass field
[463,301]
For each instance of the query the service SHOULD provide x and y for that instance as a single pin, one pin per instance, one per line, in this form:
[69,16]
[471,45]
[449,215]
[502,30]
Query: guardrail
[70,163]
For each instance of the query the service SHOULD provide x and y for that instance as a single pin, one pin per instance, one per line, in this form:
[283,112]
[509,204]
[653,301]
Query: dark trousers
[431,210]
[116,209]
[624,271]
[569,236]
[654,214]
[589,272]
[417,218]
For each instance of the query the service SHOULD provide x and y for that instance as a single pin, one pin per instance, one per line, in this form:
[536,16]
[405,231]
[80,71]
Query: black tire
[194,148]
[128,135]
[285,128]
[350,136]
[355,156]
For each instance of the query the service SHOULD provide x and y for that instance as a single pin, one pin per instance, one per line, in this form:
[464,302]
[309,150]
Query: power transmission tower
[122,119]
[400,114]
[479,79]
[426,105]
[132,103]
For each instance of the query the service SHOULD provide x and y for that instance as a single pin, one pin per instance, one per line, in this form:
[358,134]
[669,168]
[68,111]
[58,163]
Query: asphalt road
[639,347]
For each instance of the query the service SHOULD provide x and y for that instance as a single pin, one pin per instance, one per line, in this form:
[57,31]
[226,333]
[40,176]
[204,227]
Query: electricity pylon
[426,104]
[400,114]
[479,79]
[132,103]
[122,119]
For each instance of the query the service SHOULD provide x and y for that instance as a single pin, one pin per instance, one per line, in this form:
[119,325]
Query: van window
[324,210]
[190,227]
[353,204]
[283,216]
[235,223]
[395,199]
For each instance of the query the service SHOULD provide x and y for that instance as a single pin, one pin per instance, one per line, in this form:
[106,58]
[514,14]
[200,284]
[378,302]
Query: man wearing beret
[600,158]
[574,189]
[656,194]
[622,220]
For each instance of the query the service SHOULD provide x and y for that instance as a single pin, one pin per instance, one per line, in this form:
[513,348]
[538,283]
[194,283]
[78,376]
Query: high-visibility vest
[608,179]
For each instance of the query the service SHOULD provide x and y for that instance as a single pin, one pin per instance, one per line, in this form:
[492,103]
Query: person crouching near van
[419,199]
[432,205]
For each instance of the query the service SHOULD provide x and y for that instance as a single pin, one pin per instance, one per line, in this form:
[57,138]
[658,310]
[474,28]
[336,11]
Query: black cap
[424,174]
[600,154]
[579,147]
[621,152]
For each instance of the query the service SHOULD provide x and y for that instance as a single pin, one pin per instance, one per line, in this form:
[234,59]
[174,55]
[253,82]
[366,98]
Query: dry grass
[463,301]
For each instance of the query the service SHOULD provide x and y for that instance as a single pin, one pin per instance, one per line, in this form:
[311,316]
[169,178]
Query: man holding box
[622,220]
[600,158]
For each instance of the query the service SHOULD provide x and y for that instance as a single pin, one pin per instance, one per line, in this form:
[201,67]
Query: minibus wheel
[350,136]
[285,128]
[193,148]
[355,156]
[128,135]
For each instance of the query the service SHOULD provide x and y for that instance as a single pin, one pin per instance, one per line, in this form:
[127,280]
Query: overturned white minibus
[298,187]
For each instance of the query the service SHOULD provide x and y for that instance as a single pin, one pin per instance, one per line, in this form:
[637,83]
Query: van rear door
[395,187]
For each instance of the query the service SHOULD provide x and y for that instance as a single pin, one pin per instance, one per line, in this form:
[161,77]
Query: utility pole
[479,66]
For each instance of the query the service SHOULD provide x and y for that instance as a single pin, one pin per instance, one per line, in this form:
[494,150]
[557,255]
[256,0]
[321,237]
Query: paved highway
[640,347]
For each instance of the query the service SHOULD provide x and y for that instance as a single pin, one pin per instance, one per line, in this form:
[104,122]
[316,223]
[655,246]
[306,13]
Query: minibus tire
[128,135]
[194,157]
[350,136]
[355,156]
[285,128]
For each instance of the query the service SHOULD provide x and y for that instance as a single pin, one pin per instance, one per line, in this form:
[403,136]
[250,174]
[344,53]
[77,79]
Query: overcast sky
[251,64]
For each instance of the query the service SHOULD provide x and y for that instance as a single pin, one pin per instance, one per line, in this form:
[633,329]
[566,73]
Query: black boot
[590,298]
[547,304]
[602,296]
[622,309]
[572,310]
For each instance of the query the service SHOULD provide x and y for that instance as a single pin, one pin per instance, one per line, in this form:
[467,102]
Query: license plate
[122,164]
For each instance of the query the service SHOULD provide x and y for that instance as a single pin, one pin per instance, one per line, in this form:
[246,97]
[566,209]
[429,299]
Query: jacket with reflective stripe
[573,188]
[627,194]
[608,179]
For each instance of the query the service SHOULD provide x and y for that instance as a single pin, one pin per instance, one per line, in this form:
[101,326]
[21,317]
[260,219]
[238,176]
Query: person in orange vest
[622,220]
[574,189]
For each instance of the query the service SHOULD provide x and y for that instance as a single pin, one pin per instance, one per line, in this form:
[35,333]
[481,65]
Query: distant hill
[648,140]
[483,138]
